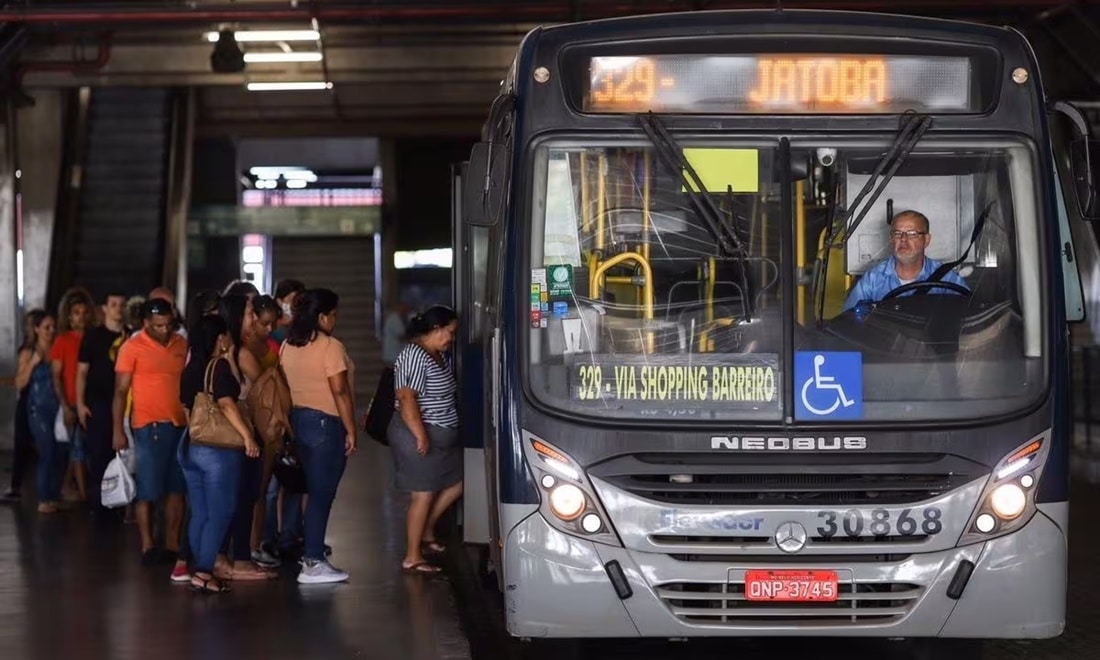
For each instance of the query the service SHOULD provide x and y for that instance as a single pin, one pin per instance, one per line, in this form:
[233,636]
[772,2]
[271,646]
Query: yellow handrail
[645,207]
[595,283]
[800,247]
[601,199]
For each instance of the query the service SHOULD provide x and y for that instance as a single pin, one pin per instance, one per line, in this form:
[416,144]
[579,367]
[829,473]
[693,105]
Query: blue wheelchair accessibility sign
[828,385]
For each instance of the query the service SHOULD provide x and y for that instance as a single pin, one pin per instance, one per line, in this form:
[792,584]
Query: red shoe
[180,573]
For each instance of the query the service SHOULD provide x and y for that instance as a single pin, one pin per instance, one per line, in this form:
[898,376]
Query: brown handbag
[269,405]
[208,425]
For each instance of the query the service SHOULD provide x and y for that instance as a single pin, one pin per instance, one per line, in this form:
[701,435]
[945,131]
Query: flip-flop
[421,568]
[205,584]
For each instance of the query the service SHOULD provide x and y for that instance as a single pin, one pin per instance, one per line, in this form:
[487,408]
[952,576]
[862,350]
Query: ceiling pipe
[553,12]
[103,55]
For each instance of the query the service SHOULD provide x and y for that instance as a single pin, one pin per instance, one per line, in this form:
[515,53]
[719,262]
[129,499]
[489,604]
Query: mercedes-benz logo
[790,537]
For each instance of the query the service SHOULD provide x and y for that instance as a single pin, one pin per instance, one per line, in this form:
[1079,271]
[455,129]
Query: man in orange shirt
[152,362]
[64,357]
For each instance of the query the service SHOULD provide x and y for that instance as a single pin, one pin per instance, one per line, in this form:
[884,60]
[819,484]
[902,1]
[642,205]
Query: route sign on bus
[793,83]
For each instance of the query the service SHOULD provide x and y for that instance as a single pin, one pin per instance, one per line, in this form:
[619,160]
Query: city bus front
[791,346]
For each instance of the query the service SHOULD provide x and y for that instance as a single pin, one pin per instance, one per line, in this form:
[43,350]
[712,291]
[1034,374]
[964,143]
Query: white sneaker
[319,571]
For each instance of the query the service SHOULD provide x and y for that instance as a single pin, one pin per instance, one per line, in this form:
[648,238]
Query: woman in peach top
[320,376]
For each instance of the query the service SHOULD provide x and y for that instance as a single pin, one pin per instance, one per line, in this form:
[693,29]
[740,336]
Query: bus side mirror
[484,188]
[1084,160]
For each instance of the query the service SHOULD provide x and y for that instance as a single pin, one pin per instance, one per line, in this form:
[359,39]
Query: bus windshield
[640,308]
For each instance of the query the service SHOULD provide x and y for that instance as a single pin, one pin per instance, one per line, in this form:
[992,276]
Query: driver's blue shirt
[883,278]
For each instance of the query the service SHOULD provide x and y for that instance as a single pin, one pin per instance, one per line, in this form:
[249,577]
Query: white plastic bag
[118,488]
[60,431]
[129,459]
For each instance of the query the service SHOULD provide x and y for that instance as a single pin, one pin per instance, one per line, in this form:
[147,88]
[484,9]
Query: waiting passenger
[236,312]
[23,440]
[394,331]
[286,292]
[74,317]
[34,373]
[152,361]
[212,473]
[423,435]
[164,293]
[95,388]
[202,304]
[259,340]
[321,377]
[241,288]
[909,238]
[266,351]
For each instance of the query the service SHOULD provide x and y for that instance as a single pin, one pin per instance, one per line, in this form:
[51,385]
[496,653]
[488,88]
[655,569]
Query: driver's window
[930,290]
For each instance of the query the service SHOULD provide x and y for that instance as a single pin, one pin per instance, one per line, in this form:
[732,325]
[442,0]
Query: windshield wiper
[725,236]
[912,129]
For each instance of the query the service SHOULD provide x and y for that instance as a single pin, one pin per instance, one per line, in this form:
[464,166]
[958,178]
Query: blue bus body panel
[516,484]
[471,395]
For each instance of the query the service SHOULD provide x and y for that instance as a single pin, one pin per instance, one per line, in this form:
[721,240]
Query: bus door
[469,285]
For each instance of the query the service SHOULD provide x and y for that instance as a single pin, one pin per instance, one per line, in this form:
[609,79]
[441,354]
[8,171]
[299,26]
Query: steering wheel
[925,284]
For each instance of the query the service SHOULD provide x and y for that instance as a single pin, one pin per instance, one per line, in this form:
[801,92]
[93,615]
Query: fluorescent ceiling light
[288,86]
[296,183]
[435,258]
[268,58]
[270,35]
[252,254]
[273,171]
[300,175]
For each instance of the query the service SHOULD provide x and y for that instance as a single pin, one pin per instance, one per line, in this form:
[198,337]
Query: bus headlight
[1008,501]
[569,503]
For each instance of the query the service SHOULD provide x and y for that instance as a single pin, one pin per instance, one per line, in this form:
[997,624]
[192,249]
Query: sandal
[420,568]
[208,585]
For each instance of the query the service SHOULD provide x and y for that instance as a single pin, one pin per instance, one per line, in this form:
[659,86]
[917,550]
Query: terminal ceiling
[399,68]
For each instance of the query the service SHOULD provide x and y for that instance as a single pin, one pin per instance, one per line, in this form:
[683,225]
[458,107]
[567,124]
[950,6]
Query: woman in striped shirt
[423,435]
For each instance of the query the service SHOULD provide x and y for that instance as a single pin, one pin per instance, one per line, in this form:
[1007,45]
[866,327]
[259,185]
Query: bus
[764,329]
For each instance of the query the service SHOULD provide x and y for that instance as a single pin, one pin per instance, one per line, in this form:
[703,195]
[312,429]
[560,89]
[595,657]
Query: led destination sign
[787,83]
[750,380]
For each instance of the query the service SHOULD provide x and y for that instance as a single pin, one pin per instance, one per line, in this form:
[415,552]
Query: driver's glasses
[910,235]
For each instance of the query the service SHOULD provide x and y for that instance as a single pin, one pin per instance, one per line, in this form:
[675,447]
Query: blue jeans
[239,542]
[320,444]
[76,444]
[291,530]
[212,475]
[52,455]
[158,470]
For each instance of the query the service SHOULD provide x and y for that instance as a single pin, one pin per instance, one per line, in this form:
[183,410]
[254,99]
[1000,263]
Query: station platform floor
[73,589]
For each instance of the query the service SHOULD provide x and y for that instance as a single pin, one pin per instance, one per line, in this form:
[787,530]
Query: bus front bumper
[557,585]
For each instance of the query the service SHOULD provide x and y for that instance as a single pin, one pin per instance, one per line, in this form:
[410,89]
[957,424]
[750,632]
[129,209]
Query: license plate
[791,586]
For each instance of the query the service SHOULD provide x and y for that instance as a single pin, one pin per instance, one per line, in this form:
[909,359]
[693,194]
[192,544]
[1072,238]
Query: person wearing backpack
[269,405]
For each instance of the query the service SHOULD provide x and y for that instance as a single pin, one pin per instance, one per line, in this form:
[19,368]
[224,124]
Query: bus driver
[909,238]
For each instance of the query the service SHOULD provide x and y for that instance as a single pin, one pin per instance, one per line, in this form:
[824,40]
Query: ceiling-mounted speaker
[227,56]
